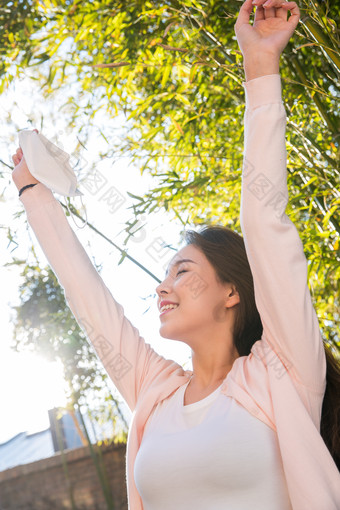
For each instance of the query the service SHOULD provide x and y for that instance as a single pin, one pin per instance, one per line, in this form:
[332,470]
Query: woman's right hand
[21,174]
[263,41]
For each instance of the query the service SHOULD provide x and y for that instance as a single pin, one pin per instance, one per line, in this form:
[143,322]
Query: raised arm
[130,362]
[274,249]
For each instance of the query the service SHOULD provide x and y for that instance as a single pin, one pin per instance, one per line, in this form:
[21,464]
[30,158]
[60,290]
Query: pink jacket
[282,380]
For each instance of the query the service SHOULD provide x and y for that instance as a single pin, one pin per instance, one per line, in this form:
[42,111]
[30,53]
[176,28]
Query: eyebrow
[178,262]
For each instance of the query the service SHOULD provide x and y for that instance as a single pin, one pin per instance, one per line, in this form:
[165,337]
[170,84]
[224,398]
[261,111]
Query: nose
[164,286]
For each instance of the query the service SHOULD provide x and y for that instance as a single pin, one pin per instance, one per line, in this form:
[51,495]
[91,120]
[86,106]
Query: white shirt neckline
[200,403]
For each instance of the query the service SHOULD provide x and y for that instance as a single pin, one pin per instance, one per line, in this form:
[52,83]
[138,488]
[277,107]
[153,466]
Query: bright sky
[29,386]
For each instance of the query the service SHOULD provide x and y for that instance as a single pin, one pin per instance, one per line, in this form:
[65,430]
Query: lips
[166,306]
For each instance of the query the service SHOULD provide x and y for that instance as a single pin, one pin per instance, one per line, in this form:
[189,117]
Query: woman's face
[191,300]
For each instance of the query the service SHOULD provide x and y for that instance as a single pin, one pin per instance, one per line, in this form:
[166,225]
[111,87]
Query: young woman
[242,430]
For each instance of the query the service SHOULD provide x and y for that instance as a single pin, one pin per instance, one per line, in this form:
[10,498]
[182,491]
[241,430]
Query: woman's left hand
[271,31]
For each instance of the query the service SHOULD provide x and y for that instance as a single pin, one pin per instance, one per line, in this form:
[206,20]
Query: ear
[233,297]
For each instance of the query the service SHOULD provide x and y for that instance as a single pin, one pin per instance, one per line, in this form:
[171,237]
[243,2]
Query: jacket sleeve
[129,361]
[274,249]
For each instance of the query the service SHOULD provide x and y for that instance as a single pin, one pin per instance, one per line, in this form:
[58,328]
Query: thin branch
[121,250]
[325,44]
[315,97]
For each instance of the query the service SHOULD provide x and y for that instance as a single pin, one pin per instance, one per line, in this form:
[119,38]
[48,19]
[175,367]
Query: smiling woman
[220,436]
[193,318]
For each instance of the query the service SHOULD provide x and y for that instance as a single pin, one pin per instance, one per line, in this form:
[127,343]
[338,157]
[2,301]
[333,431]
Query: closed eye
[181,271]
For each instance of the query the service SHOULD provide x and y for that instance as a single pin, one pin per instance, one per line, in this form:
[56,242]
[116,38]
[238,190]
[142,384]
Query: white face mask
[48,163]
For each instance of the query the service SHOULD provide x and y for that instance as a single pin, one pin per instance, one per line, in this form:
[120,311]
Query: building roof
[24,448]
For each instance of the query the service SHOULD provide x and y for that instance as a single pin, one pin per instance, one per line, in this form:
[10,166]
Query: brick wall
[43,485]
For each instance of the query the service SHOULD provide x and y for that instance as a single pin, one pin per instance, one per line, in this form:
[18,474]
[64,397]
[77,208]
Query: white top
[212,454]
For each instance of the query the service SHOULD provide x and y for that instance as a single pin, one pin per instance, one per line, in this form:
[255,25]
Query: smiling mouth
[167,308]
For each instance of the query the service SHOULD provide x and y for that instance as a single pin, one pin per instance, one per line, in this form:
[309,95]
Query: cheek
[192,287]
[200,297]
[208,305]
[197,302]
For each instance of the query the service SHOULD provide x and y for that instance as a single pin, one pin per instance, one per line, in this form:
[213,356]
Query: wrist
[256,65]
[27,186]
[20,183]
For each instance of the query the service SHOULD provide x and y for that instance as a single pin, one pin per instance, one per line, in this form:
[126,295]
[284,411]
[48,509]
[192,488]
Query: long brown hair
[226,252]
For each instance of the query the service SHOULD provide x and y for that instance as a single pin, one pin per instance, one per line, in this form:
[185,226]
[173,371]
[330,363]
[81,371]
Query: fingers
[274,4]
[269,4]
[294,12]
[259,14]
[270,12]
[17,157]
[268,9]
[244,14]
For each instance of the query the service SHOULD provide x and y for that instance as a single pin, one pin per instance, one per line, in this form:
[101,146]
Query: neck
[211,369]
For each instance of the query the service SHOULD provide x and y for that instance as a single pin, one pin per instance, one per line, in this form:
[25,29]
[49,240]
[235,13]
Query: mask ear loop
[72,215]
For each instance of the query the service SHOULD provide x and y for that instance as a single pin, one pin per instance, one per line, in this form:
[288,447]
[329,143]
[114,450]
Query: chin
[170,334]
[165,334]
